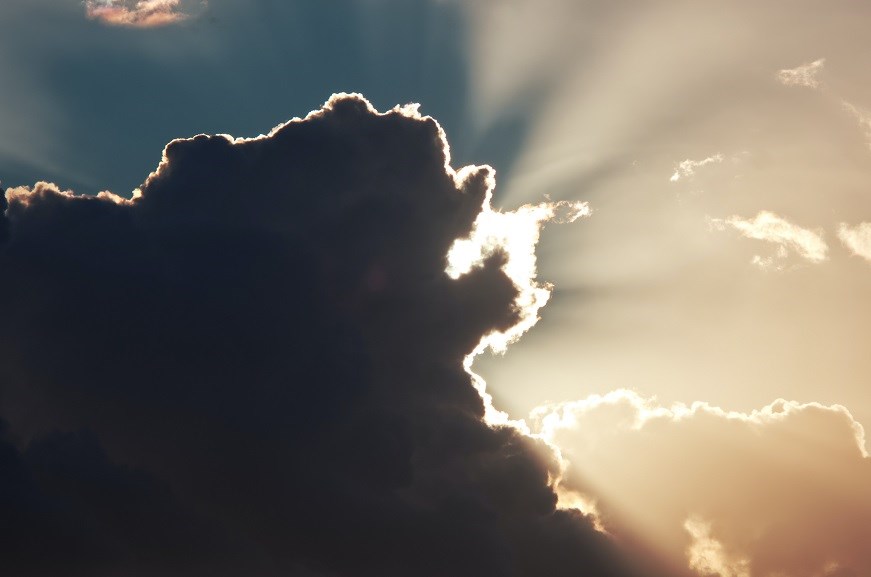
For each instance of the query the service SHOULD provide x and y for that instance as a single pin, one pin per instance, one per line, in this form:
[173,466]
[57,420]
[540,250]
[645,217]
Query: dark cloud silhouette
[255,367]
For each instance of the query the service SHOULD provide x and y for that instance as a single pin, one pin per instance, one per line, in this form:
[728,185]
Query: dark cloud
[256,368]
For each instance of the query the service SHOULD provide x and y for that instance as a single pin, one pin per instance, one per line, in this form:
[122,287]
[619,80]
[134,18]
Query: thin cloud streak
[862,116]
[687,168]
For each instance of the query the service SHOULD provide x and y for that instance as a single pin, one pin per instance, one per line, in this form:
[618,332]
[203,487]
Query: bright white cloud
[515,234]
[140,13]
[783,490]
[687,168]
[857,238]
[769,227]
[804,75]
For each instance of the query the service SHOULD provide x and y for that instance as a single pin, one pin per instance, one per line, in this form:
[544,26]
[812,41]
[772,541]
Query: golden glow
[722,490]
[139,13]
[767,226]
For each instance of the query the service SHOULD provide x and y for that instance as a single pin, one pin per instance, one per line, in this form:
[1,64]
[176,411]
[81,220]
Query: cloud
[783,490]
[857,238]
[767,226]
[139,13]
[258,366]
[804,75]
[687,168]
[515,235]
[706,555]
[862,116]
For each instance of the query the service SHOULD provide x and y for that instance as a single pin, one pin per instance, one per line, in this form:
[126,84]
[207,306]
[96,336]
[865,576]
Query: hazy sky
[702,365]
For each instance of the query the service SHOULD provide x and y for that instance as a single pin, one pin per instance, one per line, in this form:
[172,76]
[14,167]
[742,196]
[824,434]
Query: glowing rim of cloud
[551,418]
[23,195]
[705,554]
[515,234]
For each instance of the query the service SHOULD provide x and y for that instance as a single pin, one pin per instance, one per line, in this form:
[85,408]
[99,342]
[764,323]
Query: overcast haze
[707,327]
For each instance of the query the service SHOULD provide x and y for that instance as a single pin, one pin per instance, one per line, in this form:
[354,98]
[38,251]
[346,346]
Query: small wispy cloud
[857,239]
[769,227]
[804,75]
[138,13]
[862,116]
[687,168]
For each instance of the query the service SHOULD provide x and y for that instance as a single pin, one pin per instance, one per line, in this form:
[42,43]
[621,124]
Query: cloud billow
[255,367]
[781,490]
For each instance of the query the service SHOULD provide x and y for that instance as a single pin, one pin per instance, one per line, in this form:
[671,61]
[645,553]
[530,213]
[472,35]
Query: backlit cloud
[784,490]
[258,366]
[141,13]
[789,237]
[804,75]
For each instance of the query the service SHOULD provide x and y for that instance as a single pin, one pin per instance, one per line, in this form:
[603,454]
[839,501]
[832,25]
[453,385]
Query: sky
[629,338]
